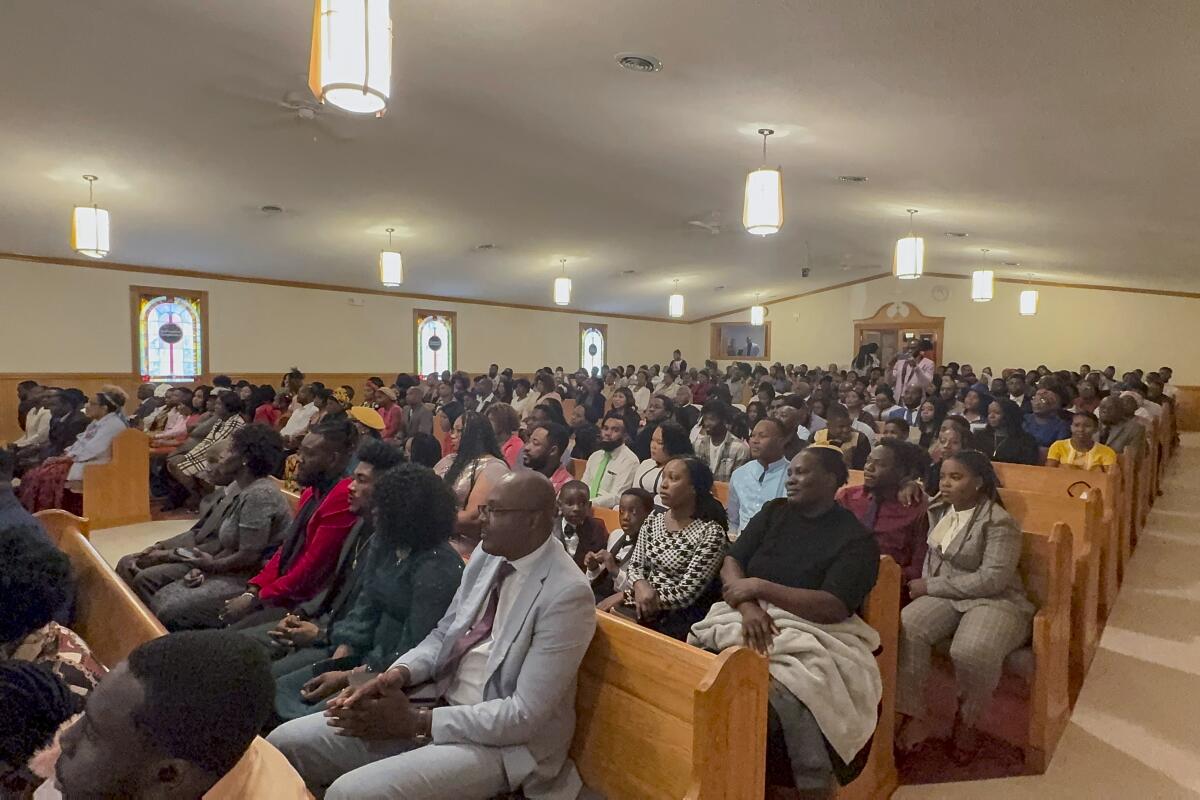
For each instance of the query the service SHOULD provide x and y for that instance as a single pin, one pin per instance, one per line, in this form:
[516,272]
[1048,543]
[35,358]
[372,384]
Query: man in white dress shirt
[610,469]
[499,674]
[298,422]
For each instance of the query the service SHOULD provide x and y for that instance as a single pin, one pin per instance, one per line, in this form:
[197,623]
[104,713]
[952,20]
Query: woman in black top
[812,558]
[1005,439]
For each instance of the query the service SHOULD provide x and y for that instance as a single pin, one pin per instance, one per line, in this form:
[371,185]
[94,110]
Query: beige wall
[1073,326]
[74,319]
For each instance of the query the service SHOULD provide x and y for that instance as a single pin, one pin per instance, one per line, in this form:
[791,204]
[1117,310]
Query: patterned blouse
[64,651]
[678,564]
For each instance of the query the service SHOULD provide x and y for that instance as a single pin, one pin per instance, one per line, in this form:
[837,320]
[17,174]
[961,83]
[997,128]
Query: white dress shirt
[467,687]
[37,428]
[298,422]
[618,475]
[641,398]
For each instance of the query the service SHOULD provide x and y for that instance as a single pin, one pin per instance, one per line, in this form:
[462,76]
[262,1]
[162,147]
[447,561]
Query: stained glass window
[170,339]
[591,348]
[435,342]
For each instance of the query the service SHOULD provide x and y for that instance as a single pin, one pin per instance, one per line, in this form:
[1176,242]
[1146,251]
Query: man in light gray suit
[501,666]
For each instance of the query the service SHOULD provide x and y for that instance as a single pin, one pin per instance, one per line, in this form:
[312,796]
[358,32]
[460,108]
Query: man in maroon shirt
[305,561]
[900,530]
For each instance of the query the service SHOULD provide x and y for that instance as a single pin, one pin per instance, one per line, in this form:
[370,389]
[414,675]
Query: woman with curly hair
[410,578]
[217,569]
[35,581]
[470,472]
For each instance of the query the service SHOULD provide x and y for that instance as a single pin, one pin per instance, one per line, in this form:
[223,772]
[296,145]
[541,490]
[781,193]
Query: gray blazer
[528,708]
[980,566]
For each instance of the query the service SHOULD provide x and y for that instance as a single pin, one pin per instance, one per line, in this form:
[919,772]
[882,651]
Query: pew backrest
[108,615]
[659,720]
[118,493]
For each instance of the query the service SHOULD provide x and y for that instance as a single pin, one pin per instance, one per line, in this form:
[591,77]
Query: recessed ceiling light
[956,235]
[628,271]
[718,288]
[271,210]
[853,178]
[485,246]
[637,62]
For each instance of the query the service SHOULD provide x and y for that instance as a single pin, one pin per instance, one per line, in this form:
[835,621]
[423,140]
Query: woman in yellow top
[1082,451]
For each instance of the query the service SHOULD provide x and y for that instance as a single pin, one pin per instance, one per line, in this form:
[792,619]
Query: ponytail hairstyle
[979,465]
[708,507]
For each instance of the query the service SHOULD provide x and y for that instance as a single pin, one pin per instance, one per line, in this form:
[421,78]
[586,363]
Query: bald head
[520,515]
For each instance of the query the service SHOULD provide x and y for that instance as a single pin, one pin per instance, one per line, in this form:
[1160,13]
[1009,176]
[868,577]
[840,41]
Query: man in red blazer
[303,564]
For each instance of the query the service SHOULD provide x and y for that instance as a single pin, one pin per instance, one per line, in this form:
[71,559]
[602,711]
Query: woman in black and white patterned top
[678,553]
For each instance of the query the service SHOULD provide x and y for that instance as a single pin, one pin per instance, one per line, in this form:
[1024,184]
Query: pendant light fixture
[982,281]
[910,253]
[89,226]
[675,303]
[562,287]
[1028,304]
[757,313]
[762,213]
[391,266]
[350,65]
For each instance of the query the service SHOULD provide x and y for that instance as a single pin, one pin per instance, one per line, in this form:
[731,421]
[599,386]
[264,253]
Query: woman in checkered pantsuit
[969,593]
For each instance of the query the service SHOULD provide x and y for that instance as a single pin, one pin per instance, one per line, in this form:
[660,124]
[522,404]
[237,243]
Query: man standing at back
[914,368]
[500,668]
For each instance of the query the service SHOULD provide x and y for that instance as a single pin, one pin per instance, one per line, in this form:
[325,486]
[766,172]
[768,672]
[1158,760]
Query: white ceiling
[1062,135]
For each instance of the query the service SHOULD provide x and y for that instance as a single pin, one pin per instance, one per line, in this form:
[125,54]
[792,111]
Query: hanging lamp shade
[1029,302]
[762,213]
[89,231]
[758,315]
[910,258]
[562,291]
[391,268]
[350,65]
[675,306]
[982,281]
[909,262]
[89,227]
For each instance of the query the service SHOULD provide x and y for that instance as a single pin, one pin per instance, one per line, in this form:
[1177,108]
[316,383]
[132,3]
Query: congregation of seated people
[396,584]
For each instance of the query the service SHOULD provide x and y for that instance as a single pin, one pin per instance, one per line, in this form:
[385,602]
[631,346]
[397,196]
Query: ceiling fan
[712,223]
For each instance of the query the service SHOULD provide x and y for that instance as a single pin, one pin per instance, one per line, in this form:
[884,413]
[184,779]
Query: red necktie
[482,627]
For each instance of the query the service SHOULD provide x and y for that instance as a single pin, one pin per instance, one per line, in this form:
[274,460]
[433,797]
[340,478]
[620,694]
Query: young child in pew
[606,568]
[579,531]
[1082,451]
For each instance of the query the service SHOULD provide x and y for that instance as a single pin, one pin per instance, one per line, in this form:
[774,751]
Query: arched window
[593,346]
[434,340]
[171,331]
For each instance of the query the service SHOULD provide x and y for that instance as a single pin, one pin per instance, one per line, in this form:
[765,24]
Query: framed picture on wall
[740,341]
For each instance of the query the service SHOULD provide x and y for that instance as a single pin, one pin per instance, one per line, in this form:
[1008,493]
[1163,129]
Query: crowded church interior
[631,400]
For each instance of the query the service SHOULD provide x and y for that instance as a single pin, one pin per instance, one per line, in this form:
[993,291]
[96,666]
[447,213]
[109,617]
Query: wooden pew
[1064,482]
[660,719]
[578,465]
[118,493]
[1037,513]
[611,517]
[882,612]
[108,615]
[720,491]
